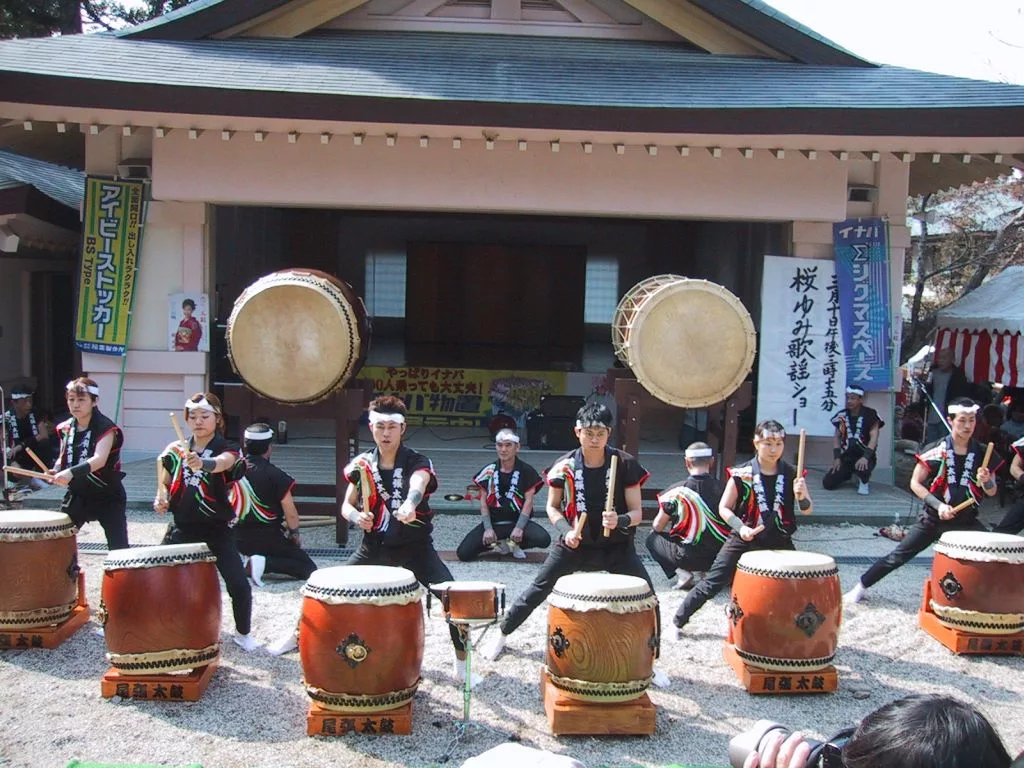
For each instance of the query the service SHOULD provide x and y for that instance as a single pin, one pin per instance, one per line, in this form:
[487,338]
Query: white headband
[855,391]
[699,453]
[258,435]
[200,405]
[506,436]
[72,387]
[953,410]
[377,416]
[20,395]
[773,433]
[590,424]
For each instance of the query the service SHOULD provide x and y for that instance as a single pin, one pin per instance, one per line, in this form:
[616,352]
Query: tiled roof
[65,185]
[498,68]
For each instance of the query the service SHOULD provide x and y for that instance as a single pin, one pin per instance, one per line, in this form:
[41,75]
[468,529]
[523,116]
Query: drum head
[32,520]
[786,563]
[373,584]
[295,336]
[690,343]
[162,554]
[981,546]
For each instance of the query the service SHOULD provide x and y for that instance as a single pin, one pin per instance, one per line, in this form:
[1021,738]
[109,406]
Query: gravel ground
[253,714]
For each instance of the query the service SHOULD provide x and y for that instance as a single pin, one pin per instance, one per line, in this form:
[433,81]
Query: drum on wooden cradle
[786,609]
[690,343]
[471,601]
[977,582]
[602,636]
[160,608]
[297,335]
[38,569]
[361,637]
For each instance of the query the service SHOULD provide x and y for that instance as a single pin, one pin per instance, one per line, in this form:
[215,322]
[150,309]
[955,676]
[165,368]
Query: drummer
[758,504]
[508,486]
[944,477]
[193,482]
[577,483]
[387,498]
[687,532]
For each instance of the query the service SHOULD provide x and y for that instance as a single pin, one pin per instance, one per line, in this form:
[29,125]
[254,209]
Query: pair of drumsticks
[44,475]
[609,501]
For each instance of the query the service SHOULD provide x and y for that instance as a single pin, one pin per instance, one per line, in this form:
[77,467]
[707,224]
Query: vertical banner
[862,266]
[111,234]
[801,367]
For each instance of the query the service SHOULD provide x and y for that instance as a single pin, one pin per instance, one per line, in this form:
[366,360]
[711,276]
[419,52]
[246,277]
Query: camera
[824,754]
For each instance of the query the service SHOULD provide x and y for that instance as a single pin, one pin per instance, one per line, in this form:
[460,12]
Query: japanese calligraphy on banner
[801,378]
[464,396]
[862,266]
[111,234]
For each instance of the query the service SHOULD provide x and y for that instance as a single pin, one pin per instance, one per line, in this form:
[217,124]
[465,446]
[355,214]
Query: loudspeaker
[550,433]
[565,406]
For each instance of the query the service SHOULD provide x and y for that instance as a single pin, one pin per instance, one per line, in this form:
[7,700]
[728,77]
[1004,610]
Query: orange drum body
[38,569]
[977,582]
[297,321]
[161,608]
[786,610]
[361,637]
[471,601]
[602,636]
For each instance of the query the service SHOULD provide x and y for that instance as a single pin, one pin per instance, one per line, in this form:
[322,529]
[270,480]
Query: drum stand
[52,636]
[961,642]
[465,725]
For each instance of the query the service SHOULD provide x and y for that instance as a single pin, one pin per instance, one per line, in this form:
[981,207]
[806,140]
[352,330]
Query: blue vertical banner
[862,272]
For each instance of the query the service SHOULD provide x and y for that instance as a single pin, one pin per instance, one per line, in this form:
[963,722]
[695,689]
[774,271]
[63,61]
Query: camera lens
[755,739]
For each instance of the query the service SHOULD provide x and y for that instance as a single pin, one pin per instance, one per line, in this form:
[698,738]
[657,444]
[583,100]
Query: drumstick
[609,501]
[988,455]
[28,473]
[963,504]
[800,454]
[177,430]
[39,462]
[581,522]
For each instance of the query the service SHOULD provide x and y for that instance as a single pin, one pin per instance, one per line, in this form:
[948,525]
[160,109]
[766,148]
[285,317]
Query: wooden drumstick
[963,504]
[29,473]
[39,462]
[581,523]
[988,455]
[177,430]
[800,454]
[609,501]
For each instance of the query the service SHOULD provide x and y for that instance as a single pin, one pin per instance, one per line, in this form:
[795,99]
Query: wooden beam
[294,19]
[506,10]
[703,29]
[584,11]
[422,8]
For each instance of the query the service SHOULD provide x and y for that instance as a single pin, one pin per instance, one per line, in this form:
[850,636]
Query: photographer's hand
[791,753]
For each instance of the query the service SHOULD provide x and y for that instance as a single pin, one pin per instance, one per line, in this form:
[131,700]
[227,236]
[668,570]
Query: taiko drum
[786,609]
[602,636]
[361,637]
[38,569]
[470,601]
[161,608]
[977,582]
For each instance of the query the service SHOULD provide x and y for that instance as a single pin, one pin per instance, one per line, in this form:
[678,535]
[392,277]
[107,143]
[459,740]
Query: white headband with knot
[21,395]
[506,436]
[201,405]
[251,434]
[953,410]
[699,453]
[72,387]
[855,391]
[377,416]
[773,433]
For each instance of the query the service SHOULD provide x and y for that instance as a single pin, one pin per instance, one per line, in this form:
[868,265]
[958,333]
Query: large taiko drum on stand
[38,569]
[977,582]
[690,343]
[786,609]
[160,608]
[297,335]
[361,637]
[602,636]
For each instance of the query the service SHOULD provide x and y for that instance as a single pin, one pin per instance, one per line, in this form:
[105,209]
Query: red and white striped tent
[986,330]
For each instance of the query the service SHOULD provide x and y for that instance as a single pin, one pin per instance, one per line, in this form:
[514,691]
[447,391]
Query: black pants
[420,558]
[924,532]
[671,555]
[722,571]
[283,555]
[221,541]
[534,537]
[617,558]
[1013,520]
[836,477]
[107,509]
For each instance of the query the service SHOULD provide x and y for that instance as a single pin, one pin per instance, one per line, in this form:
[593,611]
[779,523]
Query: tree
[41,18]
[966,235]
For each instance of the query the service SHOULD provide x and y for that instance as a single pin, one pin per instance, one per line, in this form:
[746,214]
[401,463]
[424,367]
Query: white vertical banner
[801,378]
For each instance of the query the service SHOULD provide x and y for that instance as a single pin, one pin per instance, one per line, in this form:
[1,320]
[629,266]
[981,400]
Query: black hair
[595,413]
[771,425]
[700,461]
[388,404]
[258,447]
[963,402]
[925,731]
[188,303]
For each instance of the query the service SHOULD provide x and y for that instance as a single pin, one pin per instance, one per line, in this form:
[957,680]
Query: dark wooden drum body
[361,637]
[977,582]
[297,321]
[602,636]
[160,608]
[38,569]
[786,610]
[471,601]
